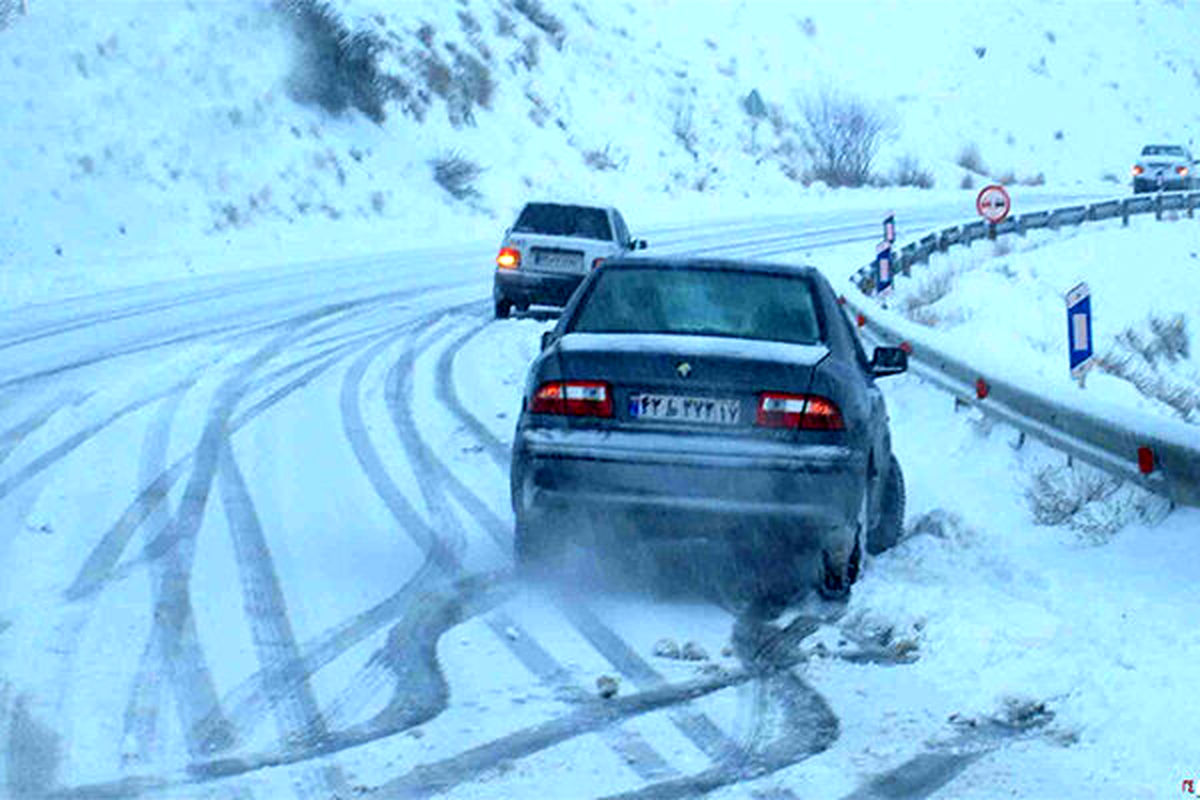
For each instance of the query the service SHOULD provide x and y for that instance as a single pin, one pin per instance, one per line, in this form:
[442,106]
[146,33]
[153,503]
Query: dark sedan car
[710,400]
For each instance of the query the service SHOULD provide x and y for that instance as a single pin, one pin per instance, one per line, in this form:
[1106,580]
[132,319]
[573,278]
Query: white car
[551,248]
[1164,166]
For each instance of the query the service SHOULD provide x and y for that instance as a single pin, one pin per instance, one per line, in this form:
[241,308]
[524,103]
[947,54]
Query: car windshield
[711,302]
[550,219]
[1162,150]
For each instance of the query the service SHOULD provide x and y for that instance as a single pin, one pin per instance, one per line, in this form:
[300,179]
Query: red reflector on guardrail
[861,320]
[906,347]
[981,388]
[1145,460]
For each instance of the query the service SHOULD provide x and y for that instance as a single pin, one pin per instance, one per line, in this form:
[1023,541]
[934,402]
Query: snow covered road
[255,542]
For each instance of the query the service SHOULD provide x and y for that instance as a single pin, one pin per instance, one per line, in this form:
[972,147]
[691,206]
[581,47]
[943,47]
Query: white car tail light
[804,411]
[573,398]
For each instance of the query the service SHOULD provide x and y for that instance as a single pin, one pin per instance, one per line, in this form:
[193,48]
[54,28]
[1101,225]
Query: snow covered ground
[254,528]
[278,563]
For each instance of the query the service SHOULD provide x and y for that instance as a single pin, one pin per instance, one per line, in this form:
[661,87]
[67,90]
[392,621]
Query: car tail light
[573,398]
[1137,169]
[1181,170]
[508,258]
[597,262]
[808,412]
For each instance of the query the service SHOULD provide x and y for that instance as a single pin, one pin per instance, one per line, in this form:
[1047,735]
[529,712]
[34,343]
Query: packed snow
[255,526]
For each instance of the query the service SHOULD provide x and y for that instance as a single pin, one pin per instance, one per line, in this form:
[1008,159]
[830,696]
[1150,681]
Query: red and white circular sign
[993,203]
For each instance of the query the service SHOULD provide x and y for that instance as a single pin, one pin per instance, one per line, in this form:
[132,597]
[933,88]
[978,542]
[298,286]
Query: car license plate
[705,410]
[563,261]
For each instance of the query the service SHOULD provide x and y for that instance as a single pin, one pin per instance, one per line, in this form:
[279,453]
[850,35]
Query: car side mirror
[637,244]
[889,361]
[547,339]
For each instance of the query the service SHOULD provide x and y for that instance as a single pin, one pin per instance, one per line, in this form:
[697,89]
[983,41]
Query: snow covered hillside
[151,140]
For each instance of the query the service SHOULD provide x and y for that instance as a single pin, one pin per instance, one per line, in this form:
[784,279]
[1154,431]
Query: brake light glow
[573,398]
[1138,169]
[809,412]
[508,258]
[1181,170]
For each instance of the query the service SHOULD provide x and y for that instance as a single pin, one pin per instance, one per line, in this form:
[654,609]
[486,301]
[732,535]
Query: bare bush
[1034,180]
[916,303]
[528,55]
[505,25]
[457,175]
[1110,177]
[969,159]
[967,182]
[535,12]
[1088,501]
[842,135]
[335,68]
[684,128]
[603,160]
[909,172]
[1006,178]
[1147,359]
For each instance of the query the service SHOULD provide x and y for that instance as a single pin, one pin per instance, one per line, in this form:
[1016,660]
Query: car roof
[724,264]
[562,204]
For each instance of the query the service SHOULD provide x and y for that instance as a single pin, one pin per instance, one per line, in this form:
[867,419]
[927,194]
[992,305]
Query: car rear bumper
[661,486]
[523,287]
[1174,183]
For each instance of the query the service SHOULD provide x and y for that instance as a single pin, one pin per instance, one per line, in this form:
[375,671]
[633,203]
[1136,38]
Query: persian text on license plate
[684,409]
[559,260]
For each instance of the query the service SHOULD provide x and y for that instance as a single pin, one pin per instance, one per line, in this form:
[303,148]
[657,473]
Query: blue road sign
[1079,329]
[883,268]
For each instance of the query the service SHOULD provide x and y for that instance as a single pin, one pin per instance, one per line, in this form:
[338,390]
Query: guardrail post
[1191,204]
[1125,213]
[1158,206]
[1021,226]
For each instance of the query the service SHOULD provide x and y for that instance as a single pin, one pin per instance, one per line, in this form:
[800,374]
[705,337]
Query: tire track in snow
[12,438]
[140,742]
[173,633]
[100,566]
[290,696]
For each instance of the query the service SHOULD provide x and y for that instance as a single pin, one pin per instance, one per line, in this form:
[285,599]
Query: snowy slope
[148,140]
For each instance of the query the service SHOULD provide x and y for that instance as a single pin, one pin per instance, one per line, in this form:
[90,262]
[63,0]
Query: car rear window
[709,302]
[1162,150]
[556,220]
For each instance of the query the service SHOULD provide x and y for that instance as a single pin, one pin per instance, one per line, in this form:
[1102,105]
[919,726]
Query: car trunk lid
[667,381]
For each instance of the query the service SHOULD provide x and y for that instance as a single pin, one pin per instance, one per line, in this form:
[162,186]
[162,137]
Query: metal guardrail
[1108,437]
[966,233]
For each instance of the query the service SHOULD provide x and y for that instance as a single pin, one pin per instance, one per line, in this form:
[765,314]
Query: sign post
[883,269]
[1079,331]
[993,204]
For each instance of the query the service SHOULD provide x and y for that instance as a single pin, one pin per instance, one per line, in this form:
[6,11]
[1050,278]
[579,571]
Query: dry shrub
[1092,503]
[969,159]
[457,175]
[909,172]
[842,135]
[535,12]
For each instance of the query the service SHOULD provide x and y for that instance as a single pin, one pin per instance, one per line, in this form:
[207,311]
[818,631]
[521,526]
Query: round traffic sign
[993,203]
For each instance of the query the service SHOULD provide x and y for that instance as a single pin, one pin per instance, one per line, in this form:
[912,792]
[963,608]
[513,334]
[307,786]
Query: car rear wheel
[887,528]
[838,573]
[503,309]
